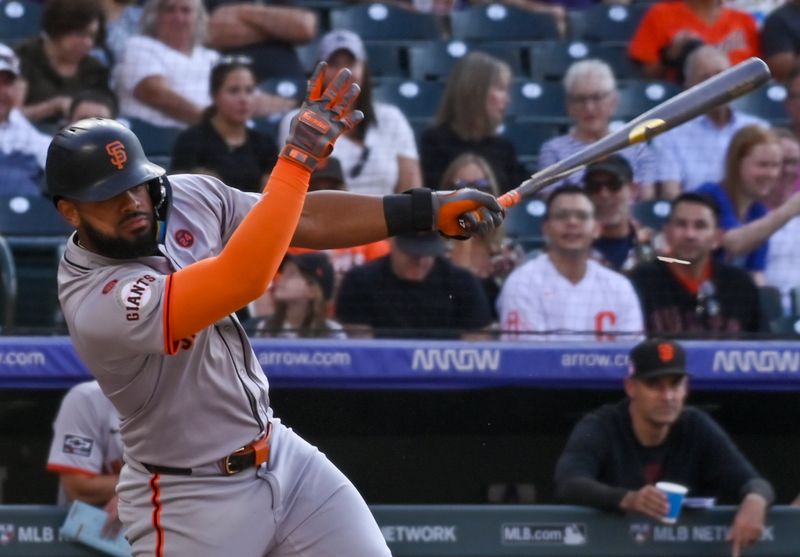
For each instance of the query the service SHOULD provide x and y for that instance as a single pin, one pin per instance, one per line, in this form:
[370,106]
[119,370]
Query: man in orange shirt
[670,30]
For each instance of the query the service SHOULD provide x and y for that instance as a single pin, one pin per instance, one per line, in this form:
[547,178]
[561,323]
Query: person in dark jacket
[616,454]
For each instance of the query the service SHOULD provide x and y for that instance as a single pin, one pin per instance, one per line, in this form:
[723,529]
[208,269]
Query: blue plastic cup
[675,494]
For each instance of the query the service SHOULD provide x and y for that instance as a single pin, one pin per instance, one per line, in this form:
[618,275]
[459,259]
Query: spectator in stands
[163,77]
[472,108]
[56,65]
[622,242]
[222,142]
[23,149]
[789,181]
[122,22]
[694,153]
[792,102]
[592,97]
[413,292]
[487,257]
[780,40]
[92,104]
[267,32]
[704,297]
[327,175]
[671,30]
[380,155]
[563,294]
[616,454]
[86,450]
[752,170]
[782,269]
[300,295]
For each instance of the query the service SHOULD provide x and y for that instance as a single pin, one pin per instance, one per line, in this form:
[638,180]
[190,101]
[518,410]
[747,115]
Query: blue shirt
[694,153]
[756,260]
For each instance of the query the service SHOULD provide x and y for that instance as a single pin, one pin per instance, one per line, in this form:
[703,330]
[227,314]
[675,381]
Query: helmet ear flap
[160,193]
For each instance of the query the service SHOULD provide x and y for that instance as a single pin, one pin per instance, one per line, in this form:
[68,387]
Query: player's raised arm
[251,257]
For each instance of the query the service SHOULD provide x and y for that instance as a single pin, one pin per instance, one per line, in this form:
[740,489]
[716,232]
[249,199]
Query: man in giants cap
[616,454]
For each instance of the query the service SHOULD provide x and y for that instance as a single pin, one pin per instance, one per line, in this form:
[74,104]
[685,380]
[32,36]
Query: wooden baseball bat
[722,88]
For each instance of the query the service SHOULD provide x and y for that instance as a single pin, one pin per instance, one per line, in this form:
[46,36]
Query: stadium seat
[8,282]
[382,22]
[501,23]
[434,60]
[36,234]
[528,137]
[794,300]
[766,102]
[637,96]
[386,60]
[538,101]
[606,23]
[771,308]
[19,20]
[523,224]
[417,99]
[651,213]
[288,88]
[157,141]
[786,327]
[551,59]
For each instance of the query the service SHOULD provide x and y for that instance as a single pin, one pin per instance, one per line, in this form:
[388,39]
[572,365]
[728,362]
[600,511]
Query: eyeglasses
[482,185]
[566,214]
[590,98]
[355,172]
[595,186]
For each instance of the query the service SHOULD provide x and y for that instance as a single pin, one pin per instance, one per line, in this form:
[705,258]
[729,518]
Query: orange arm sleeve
[208,290]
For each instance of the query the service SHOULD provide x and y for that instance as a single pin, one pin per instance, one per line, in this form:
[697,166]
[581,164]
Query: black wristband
[410,211]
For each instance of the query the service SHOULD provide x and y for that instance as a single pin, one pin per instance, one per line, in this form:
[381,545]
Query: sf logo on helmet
[116,151]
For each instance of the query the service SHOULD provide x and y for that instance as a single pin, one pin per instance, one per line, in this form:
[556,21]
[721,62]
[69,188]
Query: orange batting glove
[463,212]
[324,116]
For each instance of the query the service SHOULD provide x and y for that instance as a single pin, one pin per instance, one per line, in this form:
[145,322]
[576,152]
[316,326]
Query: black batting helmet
[95,159]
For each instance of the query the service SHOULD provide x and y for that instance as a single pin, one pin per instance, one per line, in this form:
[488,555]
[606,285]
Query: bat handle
[508,199]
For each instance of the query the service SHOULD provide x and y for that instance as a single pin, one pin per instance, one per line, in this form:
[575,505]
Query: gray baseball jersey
[86,437]
[189,404]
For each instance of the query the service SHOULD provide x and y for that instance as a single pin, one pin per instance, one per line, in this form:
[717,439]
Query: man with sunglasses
[704,295]
[622,242]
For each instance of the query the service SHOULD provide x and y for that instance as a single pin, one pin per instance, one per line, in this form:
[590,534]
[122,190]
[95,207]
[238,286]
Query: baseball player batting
[149,284]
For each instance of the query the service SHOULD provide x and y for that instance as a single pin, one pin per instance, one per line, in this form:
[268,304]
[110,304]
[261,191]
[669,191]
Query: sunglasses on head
[241,60]
[482,185]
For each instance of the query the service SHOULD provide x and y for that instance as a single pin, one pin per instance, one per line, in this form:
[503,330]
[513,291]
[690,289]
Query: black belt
[251,455]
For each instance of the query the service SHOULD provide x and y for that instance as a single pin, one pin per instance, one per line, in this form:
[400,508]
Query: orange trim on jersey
[156,502]
[61,469]
[170,345]
[689,282]
[206,291]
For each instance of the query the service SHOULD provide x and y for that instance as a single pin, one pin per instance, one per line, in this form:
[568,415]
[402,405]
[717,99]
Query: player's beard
[143,244]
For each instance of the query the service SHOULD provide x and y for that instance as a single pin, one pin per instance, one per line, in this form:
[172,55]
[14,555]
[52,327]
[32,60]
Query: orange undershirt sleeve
[208,290]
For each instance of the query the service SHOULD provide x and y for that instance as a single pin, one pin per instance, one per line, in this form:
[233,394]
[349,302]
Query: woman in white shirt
[380,155]
[163,76]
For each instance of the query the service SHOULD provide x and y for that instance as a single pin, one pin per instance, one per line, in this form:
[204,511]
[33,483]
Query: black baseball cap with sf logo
[657,358]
